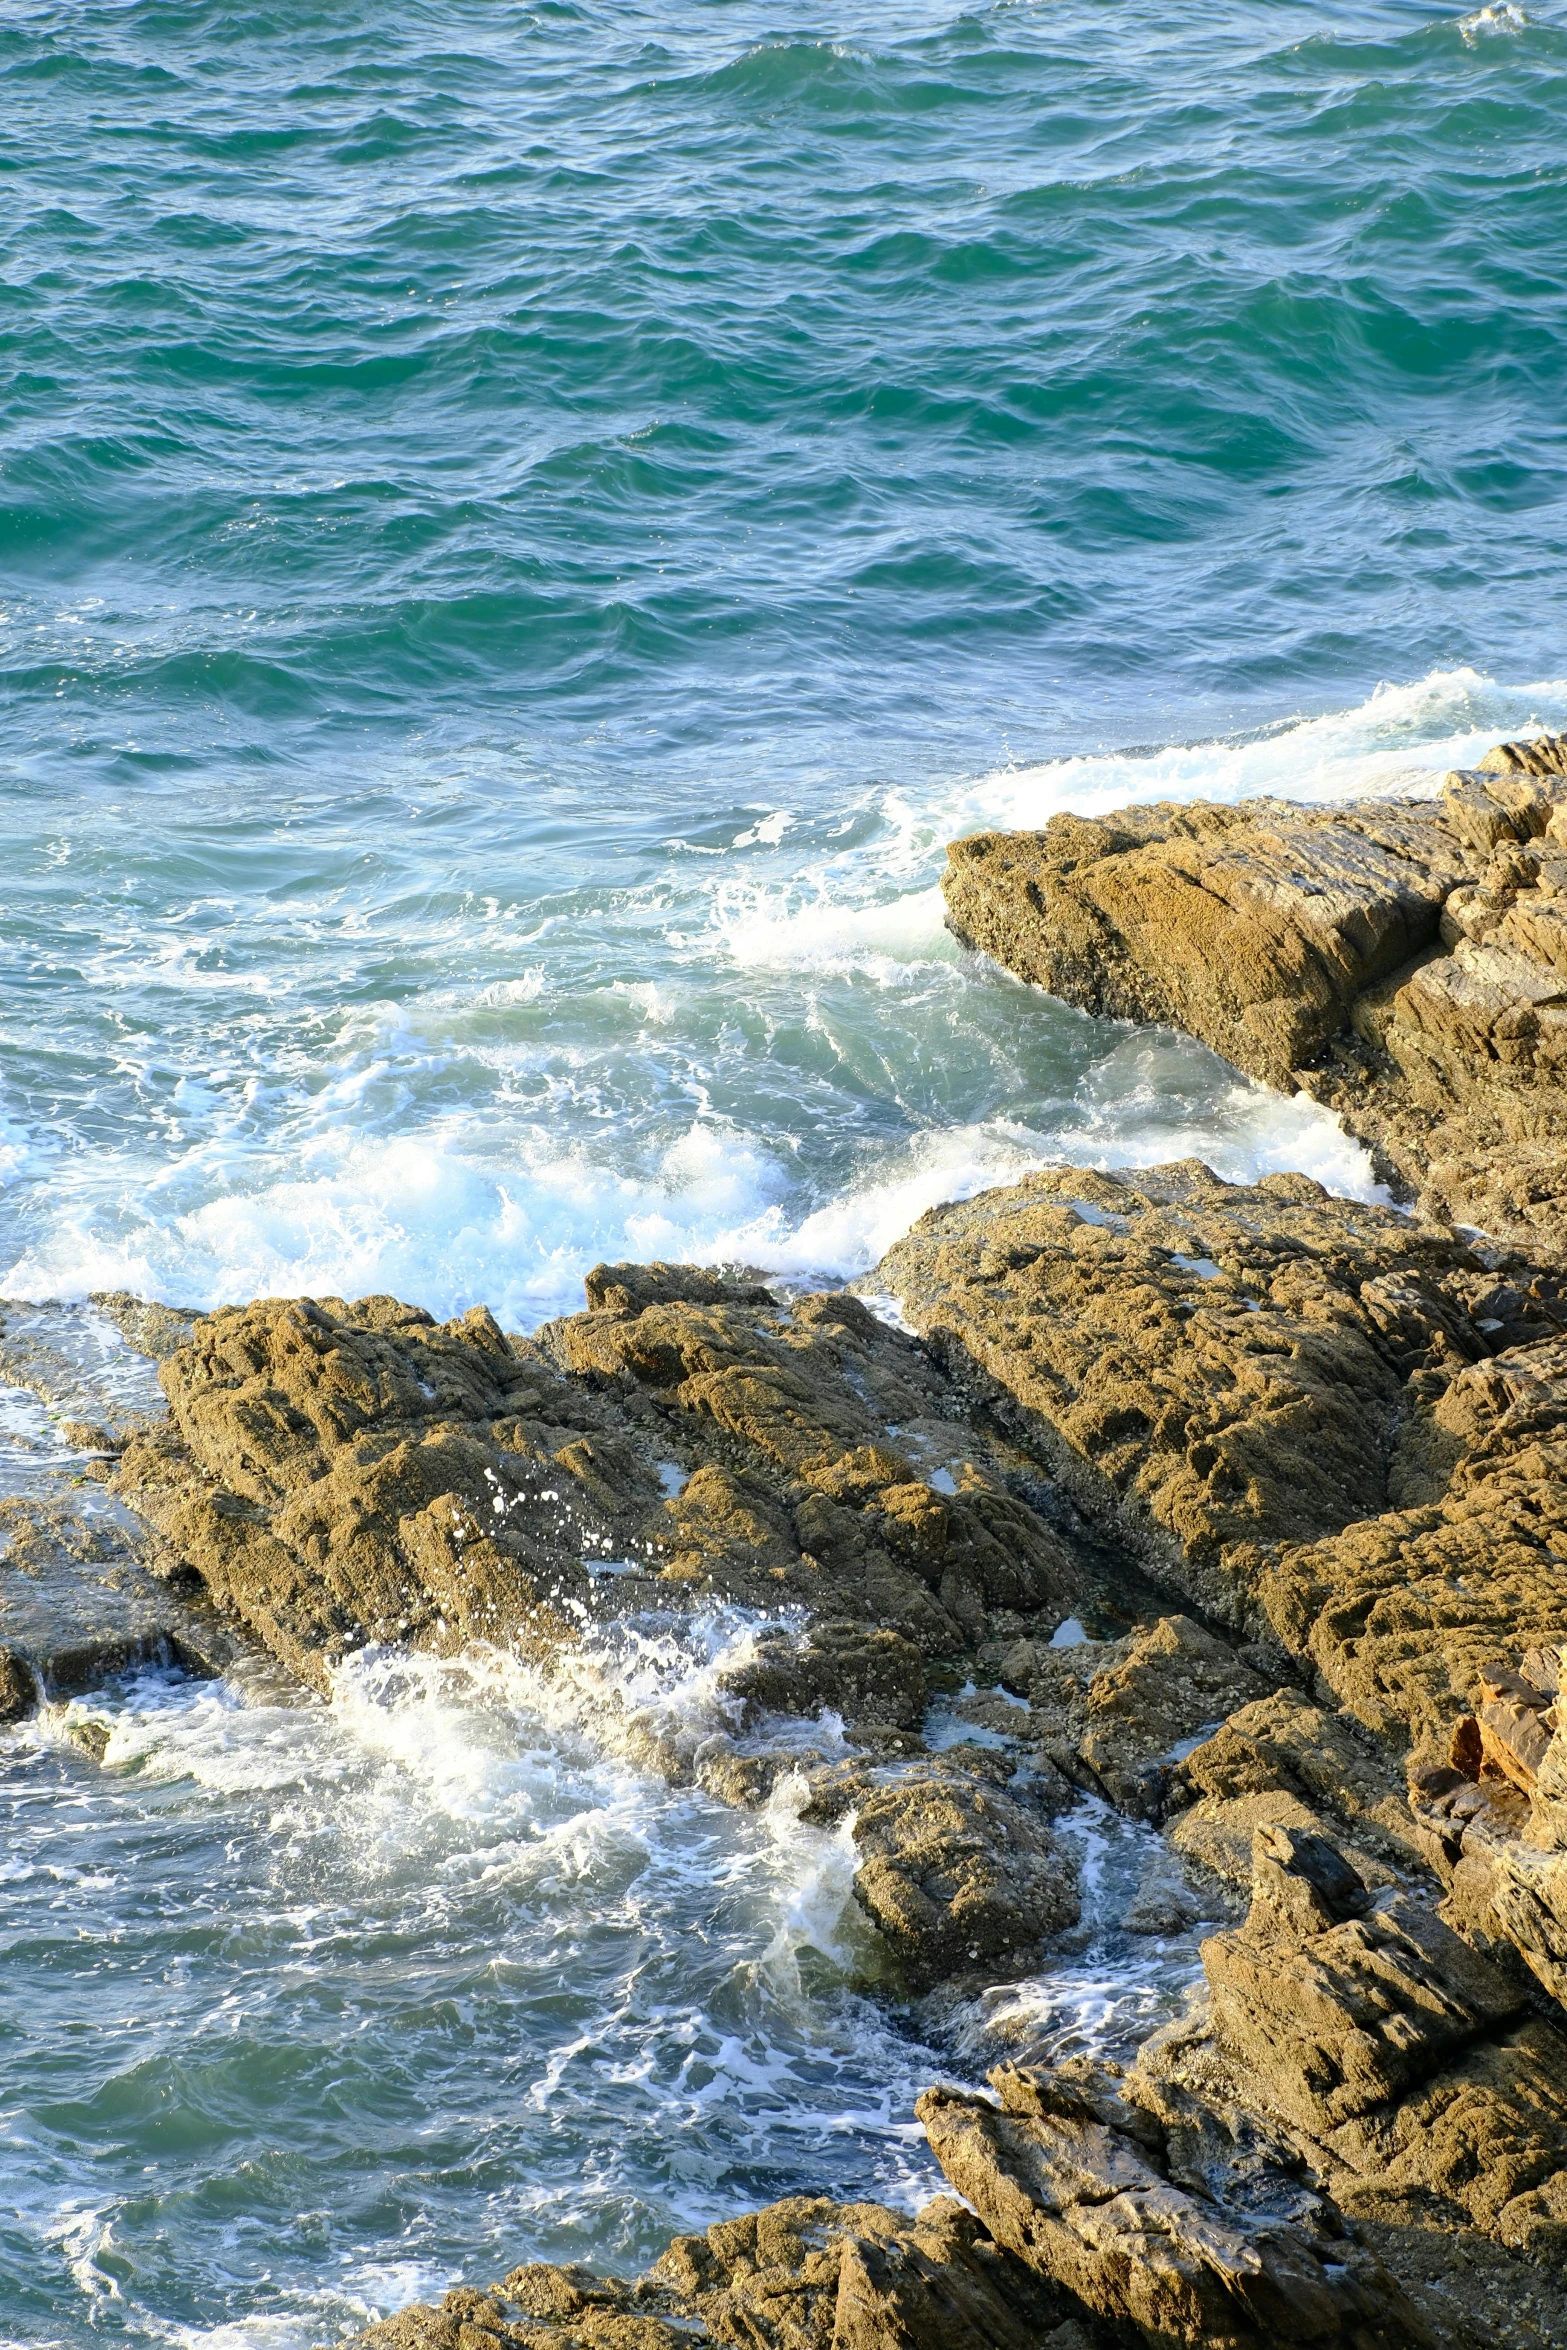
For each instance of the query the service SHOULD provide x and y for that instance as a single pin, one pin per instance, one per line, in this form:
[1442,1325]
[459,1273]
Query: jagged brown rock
[1344,1435]
[805,2274]
[1224,1373]
[1336,2005]
[1360,2136]
[1076,2182]
[1495,1817]
[1287,1743]
[1399,1611]
[1285,1762]
[1405,2060]
[961,1878]
[859,1671]
[1114,1715]
[339,1475]
[1306,945]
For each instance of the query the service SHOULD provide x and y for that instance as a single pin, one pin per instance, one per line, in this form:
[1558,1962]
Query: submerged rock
[78,1605]
[1402,959]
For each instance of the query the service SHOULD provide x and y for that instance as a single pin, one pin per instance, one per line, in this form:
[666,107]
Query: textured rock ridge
[340,1475]
[1360,2136]
[806,2274]
[1083,2187]
[1335,1432]
[1493,1817]
[1339,1438]
[1333,1440]
[1406,961]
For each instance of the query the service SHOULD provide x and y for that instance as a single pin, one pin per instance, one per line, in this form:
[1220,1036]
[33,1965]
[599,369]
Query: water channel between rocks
[315,2008]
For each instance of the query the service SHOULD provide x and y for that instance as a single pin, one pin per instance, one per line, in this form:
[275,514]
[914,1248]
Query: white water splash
[443,1150]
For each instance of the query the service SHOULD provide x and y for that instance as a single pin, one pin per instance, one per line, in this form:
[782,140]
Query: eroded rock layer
[341,1474]
[1404,960]
[338,1476]
[1239,1508]
[1337,1433]
[806,2274]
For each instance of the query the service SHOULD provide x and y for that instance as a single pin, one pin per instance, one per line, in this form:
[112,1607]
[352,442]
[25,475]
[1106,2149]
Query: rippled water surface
[313,2009]
[523,530]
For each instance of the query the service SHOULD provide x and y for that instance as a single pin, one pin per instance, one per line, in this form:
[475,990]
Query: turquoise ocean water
[523,530]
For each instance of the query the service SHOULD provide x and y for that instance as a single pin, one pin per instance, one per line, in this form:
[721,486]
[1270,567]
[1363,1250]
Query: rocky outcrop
[802,2275]
[1406,961]
[1406,2064]
[337,1476]
[1340,1437]
[1318,2154]
[1494,1817]
[1399,1612]
[1272,1396]
[344,1474]
[1286,1762]
[1332,1438]
[963,1880]
[1115,1717]
[1082,2186]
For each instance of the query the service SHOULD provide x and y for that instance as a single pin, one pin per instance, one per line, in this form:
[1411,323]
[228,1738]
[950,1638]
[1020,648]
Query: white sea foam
[762,930]
[449,1850]
[415,1220]
[1399,742]
[1505,18]
[444,1149]
[1119,1986]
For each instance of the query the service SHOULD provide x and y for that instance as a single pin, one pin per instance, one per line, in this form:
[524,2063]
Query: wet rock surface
[336,1476]
[1229,1376]
[1337,1436]
[1403,960]
[1233,1511]
[342,1474]
[78,1601]
[806,2274]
